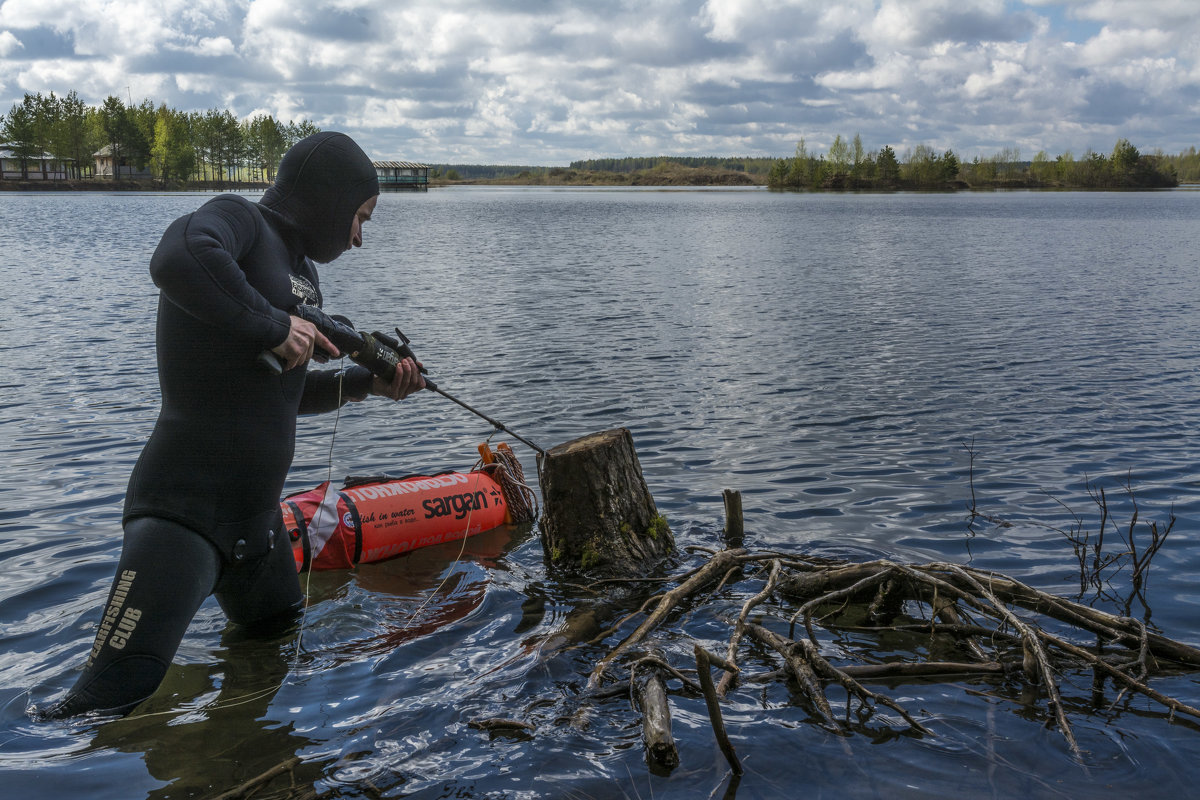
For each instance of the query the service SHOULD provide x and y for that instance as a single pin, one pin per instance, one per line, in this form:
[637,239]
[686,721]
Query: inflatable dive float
[381,517]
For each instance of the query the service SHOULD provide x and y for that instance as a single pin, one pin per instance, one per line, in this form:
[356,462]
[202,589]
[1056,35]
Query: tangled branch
[1002,626]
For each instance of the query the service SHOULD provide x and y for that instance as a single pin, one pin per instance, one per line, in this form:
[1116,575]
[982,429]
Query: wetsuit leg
[165,573]
[262,594]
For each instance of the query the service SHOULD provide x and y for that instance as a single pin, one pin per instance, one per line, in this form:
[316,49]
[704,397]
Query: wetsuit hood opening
[321,183]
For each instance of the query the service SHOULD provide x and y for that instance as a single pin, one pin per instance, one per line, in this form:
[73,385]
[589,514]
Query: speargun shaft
[496,424]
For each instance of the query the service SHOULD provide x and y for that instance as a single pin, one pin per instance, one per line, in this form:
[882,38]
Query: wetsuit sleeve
[326,390]
[196,267]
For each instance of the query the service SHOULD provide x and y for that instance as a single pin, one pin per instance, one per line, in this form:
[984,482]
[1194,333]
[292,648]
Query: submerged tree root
[998,628]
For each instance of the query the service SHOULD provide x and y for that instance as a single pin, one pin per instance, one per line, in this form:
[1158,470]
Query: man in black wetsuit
[202,511]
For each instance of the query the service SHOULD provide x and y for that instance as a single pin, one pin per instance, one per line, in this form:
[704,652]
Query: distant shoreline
[684,177]
[106,185]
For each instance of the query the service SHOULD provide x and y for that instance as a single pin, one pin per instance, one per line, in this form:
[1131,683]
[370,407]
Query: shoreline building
[31,166]
[402,175]
[107,168]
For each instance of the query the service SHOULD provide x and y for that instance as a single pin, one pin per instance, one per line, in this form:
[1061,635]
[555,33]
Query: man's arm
[326,390]
[196,267]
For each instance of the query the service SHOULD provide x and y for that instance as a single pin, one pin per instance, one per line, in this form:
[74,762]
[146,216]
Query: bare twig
[739,627]
[718,565]
[806,609]
[800,669]
[808,666]
[657,661]
[703,661]
[258,781]
[1034,650]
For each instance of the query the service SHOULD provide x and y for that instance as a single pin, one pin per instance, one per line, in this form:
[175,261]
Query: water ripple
[861,367]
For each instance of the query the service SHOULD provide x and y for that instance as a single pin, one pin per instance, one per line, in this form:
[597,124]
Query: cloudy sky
[543,82]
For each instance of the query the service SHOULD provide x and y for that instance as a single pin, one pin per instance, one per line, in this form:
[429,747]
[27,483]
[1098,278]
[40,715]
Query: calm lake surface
[831,356]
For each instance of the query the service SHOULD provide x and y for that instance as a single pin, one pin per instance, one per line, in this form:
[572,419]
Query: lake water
[837,358]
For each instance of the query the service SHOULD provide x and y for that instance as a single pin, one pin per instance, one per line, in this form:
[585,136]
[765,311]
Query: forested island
[847,165]
[148,145]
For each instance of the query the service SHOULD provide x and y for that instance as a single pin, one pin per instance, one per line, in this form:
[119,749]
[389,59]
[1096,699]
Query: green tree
[1007,163]
[1124,161]
[983,170]
[858,158]
[69,138]
[45,111]
[208,143]
[117,130]
[295,131]
[20,133]
[171,156]
[1064,167]
[921,167]
[230,144]
[1092,170]
[950,166]
[173,144]
[867,171]
[265,144]
[887,168]
[143,118]
[220,144]
[801,168]
[1041,169]
[29,128]
[839,157]
[1187,165]
[777,177]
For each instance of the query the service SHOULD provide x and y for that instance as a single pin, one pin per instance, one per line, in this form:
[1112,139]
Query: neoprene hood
[321,182]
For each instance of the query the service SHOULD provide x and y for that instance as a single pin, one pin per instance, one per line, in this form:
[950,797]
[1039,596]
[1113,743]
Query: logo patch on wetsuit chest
[304,291]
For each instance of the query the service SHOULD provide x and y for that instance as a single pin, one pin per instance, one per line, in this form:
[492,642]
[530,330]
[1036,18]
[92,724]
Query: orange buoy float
[336,528]
[373,519]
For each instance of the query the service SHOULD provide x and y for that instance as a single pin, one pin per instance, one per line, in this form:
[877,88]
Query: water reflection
[173,732]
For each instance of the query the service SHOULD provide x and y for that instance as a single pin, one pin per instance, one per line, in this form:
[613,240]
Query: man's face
[362,215]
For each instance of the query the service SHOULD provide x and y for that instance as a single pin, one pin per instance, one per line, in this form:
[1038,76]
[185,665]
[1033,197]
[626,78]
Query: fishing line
[462,548]
[320,507]
[520,499]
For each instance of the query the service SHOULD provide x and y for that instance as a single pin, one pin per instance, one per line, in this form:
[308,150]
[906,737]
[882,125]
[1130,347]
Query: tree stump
[598,516]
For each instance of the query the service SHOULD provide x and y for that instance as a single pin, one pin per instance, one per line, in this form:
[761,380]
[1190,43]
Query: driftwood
[703,660]
[721,564]
[1003,629]
[650,693]
[598,515]
[600,519]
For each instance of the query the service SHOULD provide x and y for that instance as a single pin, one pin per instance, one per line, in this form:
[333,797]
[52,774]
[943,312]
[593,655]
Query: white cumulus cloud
[542,82]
